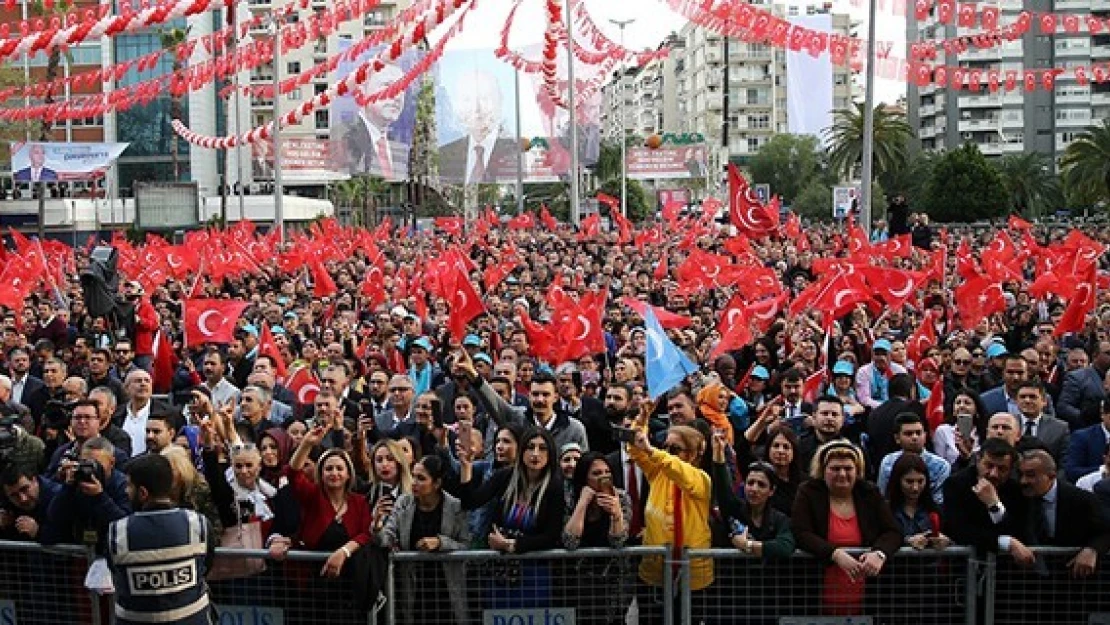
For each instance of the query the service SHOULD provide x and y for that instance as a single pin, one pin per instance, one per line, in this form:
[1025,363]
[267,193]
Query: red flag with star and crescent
[1081,304]
[212,320]
[746,212]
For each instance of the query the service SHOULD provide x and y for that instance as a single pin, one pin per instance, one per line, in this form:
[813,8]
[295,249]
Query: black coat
[967,521]
[1079,521]
[880,426]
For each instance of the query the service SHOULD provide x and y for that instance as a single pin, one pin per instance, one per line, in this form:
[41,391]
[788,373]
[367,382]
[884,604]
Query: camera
[88,470]
[8,438]
[57,415]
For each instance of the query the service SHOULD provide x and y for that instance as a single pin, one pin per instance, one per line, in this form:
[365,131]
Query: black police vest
[157,562]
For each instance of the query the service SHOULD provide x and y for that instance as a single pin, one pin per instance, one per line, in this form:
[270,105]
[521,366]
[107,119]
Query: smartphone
[624,435]
[964,425]
[465,429]
[605,484]
[737,527]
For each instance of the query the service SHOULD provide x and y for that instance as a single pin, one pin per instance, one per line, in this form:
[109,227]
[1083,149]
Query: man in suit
[1015,372]
[983,506]
[482,155]
[629,476]
[1088,447]
[372,146]
[1062,515]
[1083,391]
[795,410]
[828,425]
[336,380]
[24,385]
[38,171]
[1050,431]
[132,416]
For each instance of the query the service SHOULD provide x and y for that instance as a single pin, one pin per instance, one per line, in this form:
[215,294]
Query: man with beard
[618,408]
[100,374]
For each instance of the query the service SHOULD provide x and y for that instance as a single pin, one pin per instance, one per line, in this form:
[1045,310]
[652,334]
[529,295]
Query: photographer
[27,498]
[94,493]
[84,419]
[19,447]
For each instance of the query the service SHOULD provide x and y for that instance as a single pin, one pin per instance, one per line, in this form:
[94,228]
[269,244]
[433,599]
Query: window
[293,68]
[759,122]
[318,89]
[321,120]
[294,95]
[753,144]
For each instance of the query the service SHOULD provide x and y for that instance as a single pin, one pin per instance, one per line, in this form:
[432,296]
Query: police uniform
[158,560]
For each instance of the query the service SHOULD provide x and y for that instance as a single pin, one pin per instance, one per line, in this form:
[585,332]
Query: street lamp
[624,122]
[865,199]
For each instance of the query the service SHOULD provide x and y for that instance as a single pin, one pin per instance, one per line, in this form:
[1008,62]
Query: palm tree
[1086,162]
[1031,187]
[172,38]
[845,136]
[53,65]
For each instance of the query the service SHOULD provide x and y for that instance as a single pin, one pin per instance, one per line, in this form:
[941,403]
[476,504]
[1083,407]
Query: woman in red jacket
[332,517]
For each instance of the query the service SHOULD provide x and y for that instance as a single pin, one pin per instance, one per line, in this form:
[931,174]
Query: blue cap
[882,344]
[283,300]
[843,367]
[760,373]
[249,329]
[472,340]
[423,343]
[996,349]
[277,330]
[484,357]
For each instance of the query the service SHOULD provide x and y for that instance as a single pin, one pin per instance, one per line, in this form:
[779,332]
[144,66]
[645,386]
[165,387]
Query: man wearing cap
[1082,393]
[994,375]
[873,379]
[473,344]
[422,370]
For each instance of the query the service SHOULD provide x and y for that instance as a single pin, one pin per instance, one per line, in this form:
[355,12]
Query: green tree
[814,201]
[911,179]
[964,187]
[608,166]
[1031,187]
[787,163]
[171,38]
[637,199]
[1086,163]
[891,138]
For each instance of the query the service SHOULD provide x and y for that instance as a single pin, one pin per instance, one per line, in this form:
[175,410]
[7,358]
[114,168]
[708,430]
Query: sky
[654,21]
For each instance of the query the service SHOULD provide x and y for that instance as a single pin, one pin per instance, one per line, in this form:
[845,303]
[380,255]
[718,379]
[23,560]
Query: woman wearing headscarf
[713,403]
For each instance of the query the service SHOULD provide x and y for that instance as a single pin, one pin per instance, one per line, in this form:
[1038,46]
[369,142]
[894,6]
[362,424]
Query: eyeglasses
[242,447]
[961,361]
[400,389]
[123,351]
[675,450]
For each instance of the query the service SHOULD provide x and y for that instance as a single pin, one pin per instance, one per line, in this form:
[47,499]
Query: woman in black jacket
[528,515]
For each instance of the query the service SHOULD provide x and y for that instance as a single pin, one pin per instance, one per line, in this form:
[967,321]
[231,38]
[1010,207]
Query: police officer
[160,554]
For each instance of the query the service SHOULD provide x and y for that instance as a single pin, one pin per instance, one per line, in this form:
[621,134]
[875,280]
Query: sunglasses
[961,361]
[675,450]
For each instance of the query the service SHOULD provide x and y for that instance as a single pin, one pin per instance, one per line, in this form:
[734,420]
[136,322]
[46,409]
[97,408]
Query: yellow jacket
[663,471]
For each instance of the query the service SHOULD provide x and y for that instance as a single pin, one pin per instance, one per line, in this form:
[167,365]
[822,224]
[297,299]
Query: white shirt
[487,146]
[134,423]
[1087,482]
[17,388]
[222,392]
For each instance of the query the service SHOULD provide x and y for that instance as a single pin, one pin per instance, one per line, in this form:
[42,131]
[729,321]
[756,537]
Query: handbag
[241,536]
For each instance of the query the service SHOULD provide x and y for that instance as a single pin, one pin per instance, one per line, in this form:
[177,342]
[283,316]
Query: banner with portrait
[374,137]
[59,162]
[476,121]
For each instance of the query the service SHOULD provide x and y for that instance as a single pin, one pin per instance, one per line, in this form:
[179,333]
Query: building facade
[1020,121]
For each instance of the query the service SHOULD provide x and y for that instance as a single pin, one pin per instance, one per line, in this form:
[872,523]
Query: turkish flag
[212,320]
[894,286]
[1017,223]
[523,221]
[746,212]
[934,408]
[922,339]
[1081,304]
[267,347]
[164,364]
[624,226]
[812,385]
[977,298]
[304,385]
[541,340]
[661,270]
[494,274]
[465,303]
[322,284]
[666,318]
[589,227]
[451,225]
[737,335]
[547,220]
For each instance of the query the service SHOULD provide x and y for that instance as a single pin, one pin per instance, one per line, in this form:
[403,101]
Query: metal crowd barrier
[1047,592]
[46,586]
[915,587]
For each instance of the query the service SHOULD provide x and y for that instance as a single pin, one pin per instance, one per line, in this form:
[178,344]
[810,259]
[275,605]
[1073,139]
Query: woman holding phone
[599,515]
[965,424]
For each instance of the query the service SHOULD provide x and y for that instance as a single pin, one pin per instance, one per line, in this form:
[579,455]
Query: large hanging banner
[303,159]
[374,137]
[476,122]
[59,162]
[668,162]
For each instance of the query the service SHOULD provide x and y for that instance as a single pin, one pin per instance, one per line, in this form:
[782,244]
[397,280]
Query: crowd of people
[821,431]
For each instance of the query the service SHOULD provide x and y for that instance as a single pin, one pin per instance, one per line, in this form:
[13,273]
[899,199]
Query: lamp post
[575,210]
[865,198]
[279,214]
[624,122]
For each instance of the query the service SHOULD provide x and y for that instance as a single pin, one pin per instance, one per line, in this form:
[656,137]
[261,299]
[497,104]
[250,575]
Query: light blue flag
[667,365]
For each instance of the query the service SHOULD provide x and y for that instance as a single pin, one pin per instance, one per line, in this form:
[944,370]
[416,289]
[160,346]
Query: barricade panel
[1047,593]
[44,585]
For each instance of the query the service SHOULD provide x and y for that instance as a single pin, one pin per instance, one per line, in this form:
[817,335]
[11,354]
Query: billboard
[374,137]
[59,162]
[668,162]
[843,197]
[476,121]
[303,159]
[167,205]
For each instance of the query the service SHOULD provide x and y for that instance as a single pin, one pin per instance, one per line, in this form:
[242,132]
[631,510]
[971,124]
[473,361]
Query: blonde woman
[190,489]
[390,477]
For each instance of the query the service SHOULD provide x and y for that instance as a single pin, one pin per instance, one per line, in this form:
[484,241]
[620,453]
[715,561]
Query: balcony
[970,125]
[1074,122]
[1073,98]
[993,148]
[1100,52]
[979,101]
[1100,99]
[1071,5]
[927,111]
[982,54]
[1074,51]
[262,103]
[928,132]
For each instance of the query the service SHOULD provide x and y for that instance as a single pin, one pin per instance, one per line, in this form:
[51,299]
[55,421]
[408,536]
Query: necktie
[383,158]
[1029,425]
[478,172]
[633,486]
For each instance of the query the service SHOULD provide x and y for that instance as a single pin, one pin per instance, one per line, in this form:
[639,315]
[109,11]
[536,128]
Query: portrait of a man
[374,143]
[38,171]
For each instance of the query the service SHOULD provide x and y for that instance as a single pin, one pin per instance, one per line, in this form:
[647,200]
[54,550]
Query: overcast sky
[654,20]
